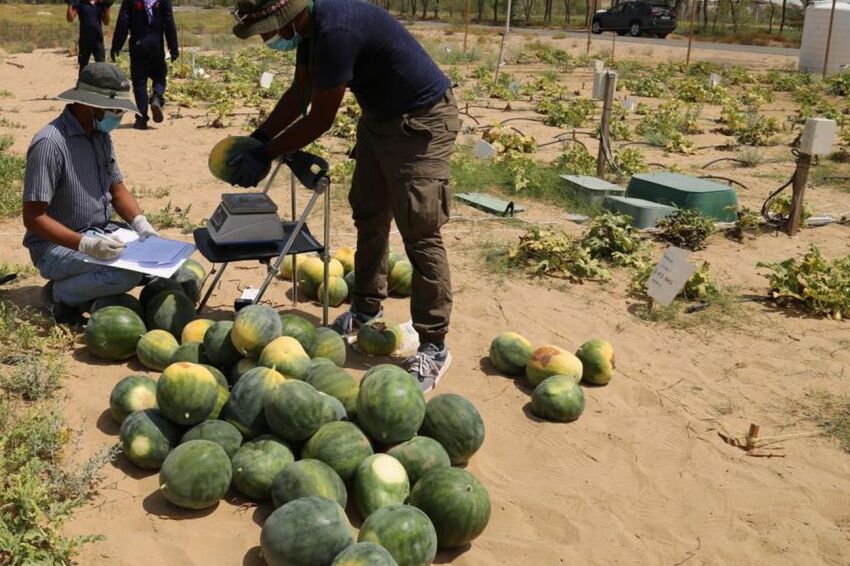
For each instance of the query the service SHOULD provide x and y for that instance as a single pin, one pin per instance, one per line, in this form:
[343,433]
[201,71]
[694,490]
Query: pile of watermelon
[262,406]
[554,372]
[308,270]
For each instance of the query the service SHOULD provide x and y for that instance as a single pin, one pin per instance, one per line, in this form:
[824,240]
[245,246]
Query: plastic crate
[591,189]
[644,213]
[715,200]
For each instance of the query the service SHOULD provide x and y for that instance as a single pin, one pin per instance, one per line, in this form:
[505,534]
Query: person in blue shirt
[93,15]
[147,21]
[405,140]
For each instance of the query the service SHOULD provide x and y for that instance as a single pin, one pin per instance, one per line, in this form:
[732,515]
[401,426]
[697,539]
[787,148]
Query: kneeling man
[72,186]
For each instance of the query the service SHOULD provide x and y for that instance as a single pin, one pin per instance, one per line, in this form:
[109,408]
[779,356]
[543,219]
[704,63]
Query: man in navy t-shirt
[405,139]
[92,14]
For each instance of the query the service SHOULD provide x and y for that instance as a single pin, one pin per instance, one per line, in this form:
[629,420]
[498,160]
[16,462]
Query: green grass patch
[832,415]
[11,177]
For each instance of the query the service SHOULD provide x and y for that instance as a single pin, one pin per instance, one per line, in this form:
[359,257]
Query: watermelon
[254,327]
[257,463]
[558,398]
[190,352]
[380,481]
[222,433]
[299,328]
[333,409]
[147,437]
[349,282]
[191,277]
[311,274]
[225,150]
[196,474]
[547,361]
[306,478]
[597,362]
[393,258]
[122,300]
[289,266]
[364,554]
[406,533]
[455,423]
[218,347]
[286,355]
[329,345]
[390,405]
[345,256]
[156,286]
[133,393]
[457,504]
[219,377]
[244,408]
[239,369]
[400,278]
[186,393]
[171,311]
[336,382]
[294,410]
[306,532]
[379,337]
[156,348]
[340,445]
[112,333]
[195,330]
[510,352]
[223,391]
[420,455]
[337,291]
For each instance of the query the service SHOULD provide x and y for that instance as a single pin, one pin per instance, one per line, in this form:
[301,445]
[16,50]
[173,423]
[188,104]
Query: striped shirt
[73,173]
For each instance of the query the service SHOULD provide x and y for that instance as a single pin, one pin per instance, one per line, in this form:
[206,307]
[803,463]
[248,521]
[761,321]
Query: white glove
[143,228]
[101,247]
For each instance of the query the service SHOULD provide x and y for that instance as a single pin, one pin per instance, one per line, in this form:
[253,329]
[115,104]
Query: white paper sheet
[155,256]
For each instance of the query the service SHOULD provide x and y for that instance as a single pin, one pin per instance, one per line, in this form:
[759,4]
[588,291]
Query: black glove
[175,55]
[251,167]
[113,54]
[260,136]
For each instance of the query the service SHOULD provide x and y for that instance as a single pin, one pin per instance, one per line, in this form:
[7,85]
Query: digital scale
[245,219]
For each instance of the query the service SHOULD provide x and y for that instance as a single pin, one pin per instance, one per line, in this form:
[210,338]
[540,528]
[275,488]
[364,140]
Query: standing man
[92,14]
[72,185]
[405,139]
[147,22]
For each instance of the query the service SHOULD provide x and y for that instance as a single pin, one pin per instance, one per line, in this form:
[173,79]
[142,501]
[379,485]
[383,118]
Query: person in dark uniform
[405,141]
[93,14]
[147,21]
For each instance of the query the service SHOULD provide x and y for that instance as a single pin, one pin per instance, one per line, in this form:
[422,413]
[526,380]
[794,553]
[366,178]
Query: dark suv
[636,18]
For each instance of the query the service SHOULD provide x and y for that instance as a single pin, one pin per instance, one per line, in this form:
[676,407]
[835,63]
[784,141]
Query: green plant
[566,114]
[757,130]
[509,142]
[629,161]
[781,207]
[576,160]
[667,125]
[612,238]
[700,286]
[547,252]
[686,228]
[11,177]
[650,87]
[171,216]
[839,84]
[813,284]
[33,377]
[697,89]
[832,414]
[748,222]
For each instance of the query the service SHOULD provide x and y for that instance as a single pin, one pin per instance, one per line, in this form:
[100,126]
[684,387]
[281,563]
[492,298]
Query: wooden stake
[752,436]
[590,27]
[828,40]
[691,34]
[801,178]
[466,29]
[601,159]
[504,40]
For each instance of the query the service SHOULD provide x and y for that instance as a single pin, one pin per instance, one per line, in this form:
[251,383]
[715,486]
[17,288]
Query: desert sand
[641,478]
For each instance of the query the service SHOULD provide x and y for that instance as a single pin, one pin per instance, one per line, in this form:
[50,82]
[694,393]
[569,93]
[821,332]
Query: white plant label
[670,276]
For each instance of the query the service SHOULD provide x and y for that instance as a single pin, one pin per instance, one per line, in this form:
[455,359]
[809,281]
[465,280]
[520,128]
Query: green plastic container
[715,200]
[645,214]
[591,189]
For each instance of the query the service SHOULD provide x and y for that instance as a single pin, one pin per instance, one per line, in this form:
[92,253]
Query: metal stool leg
[212,287]
[327,244]
[294,276]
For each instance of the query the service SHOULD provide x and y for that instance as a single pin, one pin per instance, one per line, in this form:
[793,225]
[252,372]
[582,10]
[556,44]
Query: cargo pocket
[425,208]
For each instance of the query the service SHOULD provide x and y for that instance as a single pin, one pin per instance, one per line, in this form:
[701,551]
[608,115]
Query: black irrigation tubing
[638,143]
[474,119]
[521,118]
[581,143]
[661,165]
[727,179]
[735,159]
[574,132]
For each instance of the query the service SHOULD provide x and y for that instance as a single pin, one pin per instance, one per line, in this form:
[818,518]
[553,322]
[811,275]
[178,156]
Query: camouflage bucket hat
[263,16]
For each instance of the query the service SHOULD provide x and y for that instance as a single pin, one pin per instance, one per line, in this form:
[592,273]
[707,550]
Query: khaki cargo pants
[402,173]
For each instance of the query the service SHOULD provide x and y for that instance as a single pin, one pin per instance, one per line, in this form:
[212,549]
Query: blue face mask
[279,43]
[109,122]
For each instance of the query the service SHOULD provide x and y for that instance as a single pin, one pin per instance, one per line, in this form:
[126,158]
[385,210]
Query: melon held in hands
[227,149]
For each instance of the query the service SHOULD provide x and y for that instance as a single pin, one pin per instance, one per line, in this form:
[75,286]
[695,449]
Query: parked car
[636,18]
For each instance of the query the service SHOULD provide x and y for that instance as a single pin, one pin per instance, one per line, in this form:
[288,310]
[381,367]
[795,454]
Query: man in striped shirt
[72,186]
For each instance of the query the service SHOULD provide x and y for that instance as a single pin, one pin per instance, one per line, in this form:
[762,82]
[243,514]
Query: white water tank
[815,31]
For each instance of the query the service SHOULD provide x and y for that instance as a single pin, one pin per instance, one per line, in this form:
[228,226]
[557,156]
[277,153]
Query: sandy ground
[641,478]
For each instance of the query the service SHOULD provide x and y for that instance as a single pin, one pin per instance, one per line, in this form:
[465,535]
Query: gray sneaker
[348,323]
[428,365]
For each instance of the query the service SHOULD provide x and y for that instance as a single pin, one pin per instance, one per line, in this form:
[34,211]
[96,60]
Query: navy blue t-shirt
[361,45]
[90,12]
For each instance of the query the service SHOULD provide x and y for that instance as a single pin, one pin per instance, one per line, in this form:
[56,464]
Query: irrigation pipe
[567,141]
[727,179]
[520,118]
